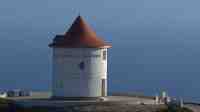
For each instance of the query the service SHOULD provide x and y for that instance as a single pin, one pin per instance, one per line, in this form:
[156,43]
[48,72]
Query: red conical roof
[79,35]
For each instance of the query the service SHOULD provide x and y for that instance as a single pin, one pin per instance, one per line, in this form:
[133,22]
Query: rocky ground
[102,108]
[11,106]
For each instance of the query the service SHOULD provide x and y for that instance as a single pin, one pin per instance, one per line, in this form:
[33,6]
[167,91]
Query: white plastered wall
[70,80]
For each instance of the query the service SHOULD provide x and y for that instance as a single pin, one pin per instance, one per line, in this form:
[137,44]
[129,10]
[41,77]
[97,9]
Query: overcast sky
[109,13]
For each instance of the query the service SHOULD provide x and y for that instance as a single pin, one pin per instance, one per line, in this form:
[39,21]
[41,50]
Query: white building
[79,63]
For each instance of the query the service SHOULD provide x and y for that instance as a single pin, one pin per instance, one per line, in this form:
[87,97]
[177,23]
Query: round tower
[79,63]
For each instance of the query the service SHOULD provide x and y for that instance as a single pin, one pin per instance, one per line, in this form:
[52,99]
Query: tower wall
[79,72]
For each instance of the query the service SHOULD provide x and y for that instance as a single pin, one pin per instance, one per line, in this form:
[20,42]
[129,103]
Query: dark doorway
[103,87]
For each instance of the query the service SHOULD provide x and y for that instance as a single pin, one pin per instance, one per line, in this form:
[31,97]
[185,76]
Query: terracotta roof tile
[79,35]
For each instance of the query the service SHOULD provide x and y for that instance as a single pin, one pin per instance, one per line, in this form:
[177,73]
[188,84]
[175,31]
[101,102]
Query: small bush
[4,105]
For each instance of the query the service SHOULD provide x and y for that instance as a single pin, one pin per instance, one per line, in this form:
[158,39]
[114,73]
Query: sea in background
[156,45]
